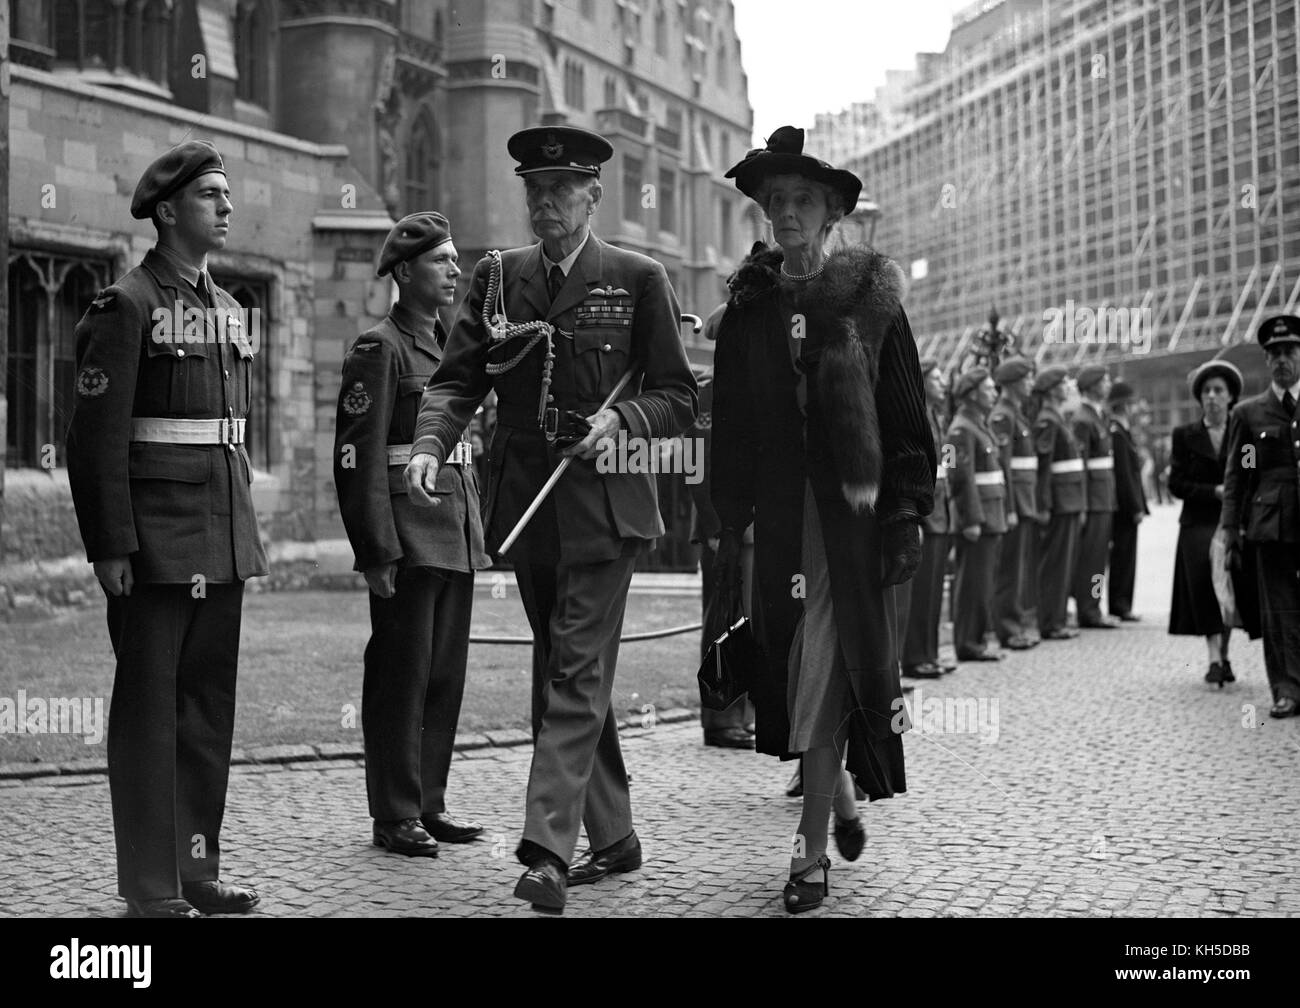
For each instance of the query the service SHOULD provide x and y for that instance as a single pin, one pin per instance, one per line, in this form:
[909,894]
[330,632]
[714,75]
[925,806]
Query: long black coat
[866,426]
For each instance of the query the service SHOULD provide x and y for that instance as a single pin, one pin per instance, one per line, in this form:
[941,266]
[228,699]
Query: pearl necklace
[803,276]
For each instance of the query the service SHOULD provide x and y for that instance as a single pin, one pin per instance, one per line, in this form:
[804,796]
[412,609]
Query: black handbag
[725,674]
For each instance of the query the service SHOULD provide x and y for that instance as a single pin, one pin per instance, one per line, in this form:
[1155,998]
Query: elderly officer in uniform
[1130,506]
[981,511]
[1060,503]
[553,328]
[1261,504]
[920,645]
[1014,601]
[418,563]
[1093,435]
[160,481]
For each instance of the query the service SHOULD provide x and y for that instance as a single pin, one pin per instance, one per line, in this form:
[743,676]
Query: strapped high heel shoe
[801,895]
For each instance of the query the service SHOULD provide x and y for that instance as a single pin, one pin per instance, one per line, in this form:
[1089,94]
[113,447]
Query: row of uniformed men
[1036,509]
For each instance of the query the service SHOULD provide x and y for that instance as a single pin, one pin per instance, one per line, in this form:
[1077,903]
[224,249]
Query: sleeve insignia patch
[370,345]
[357,401]
[104,299]
[92,383]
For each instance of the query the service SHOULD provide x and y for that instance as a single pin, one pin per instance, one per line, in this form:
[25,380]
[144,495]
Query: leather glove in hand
[901,542]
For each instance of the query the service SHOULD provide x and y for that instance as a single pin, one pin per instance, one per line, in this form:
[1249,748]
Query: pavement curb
[284,756]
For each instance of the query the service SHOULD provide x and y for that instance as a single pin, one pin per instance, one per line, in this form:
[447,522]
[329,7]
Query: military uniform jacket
[936,522]
[1130,499]
[616,310]
[384,374]
[1015,442]
[176,510]
[1262,499]
[1091,432]
[1060,466]
[977,480]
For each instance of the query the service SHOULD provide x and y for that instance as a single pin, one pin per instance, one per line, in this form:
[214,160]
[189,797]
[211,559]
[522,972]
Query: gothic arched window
[422,164]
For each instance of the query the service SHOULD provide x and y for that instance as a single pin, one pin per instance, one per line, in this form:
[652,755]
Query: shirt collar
[187,270]
[1280,392]
[567,262]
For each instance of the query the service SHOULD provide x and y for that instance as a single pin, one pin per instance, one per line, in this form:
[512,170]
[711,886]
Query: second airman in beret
[1093,435]
[1015,614]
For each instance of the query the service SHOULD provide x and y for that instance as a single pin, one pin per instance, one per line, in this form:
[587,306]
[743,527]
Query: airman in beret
[1060,500]
[1093,435]
[1015,615]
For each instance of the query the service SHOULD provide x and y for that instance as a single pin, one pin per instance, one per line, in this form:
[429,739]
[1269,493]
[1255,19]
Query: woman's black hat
[784,155]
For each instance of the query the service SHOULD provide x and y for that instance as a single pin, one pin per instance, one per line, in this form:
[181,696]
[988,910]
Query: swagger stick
[559,470]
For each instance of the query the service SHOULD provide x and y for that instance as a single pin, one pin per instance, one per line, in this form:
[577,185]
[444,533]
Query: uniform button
[550,398]
[231,447]
[180,352]
[227,374]
[607,348]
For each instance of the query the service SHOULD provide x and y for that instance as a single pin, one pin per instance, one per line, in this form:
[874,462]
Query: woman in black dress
[1196,476]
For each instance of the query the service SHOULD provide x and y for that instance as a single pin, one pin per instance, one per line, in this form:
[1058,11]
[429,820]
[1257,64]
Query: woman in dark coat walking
[820,438]
[1196,475]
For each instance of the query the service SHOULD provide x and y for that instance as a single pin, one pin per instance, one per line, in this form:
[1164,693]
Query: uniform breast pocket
[182,374]
[601,355]
[1271,444]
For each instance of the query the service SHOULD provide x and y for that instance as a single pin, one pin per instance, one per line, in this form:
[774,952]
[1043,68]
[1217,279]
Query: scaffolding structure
[1100,155]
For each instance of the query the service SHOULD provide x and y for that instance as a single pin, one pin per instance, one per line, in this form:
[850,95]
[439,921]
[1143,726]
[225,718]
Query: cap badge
[1280,328]
[553,150]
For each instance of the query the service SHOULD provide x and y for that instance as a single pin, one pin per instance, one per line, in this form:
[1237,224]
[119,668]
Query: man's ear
[402,272]
[597,191]
[164,213]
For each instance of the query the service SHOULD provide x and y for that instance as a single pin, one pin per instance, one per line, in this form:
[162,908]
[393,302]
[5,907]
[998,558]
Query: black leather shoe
[405,836]
[1214,674]
[543,886]
[947,668]
[729,738]
[1227,671]
[850,837]
[220,897]
[1105,623]
[928,670]
[1017,643]
[161,908]
[1062,634]
[1286,707]
[443,828]
[592,866]
[979,656]
[1129,617]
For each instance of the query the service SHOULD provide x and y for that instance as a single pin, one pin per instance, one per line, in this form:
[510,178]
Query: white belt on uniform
[163,430]
[1068,466]
[940,474]
[1103,462]
[462,454]
[1028,463]
[994,478]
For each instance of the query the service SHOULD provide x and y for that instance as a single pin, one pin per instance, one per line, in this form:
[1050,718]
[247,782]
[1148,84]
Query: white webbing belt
[1068,466]
[462,454]
[1028,463]
[994,478]
[162,430]
[1104,462]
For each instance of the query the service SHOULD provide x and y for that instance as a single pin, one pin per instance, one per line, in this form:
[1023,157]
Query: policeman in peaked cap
[1261,505]
[1060,502]
[1093,435]
[578,314]
[980,512]
[1015,615]
[160,481]
[418,563]
[1130,506]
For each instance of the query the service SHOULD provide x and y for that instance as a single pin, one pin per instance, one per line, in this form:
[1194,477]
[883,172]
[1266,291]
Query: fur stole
[847,311]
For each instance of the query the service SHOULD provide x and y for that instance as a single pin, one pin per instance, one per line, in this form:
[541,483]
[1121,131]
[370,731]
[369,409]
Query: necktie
[204,291]
[1288,403]
[554,281]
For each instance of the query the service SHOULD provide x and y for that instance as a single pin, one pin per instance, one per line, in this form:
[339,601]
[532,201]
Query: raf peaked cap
[1089,376]
[1216,367]
[1121,391]
[1279,329]
[172,172]
[413,234]
[969,381]
[1049,378]
[1012,370]
[559,148]
[784,155]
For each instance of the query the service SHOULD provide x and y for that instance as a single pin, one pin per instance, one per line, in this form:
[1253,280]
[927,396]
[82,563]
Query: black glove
[901,542]
[727,572]
[1231,549]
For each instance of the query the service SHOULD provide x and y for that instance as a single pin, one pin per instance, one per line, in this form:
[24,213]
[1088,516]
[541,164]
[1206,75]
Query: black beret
[1012,370]
[1279,329]
[1216,367]
[1121,391]
[172,172]
[559,148]
[928,365]
[1089,376]
[1049,378]
[970,380]
[413,234]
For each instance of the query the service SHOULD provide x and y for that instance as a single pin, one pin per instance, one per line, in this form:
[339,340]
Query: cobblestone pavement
[1099,777]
